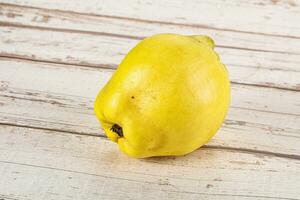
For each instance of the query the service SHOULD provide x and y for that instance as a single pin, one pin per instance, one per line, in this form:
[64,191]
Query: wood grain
[61,20]
[257,119]
[255,17]
[56,55]
[91,168]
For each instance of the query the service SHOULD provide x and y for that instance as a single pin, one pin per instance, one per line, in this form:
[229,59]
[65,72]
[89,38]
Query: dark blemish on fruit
[132,97]
[117,129]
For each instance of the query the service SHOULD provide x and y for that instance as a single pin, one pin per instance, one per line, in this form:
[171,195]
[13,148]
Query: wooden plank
[267,69]
[257,119]
[258,143]
[256,17]
[91,168]
[120,27]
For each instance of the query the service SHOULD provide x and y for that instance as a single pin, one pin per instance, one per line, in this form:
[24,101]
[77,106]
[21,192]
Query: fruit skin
[169,96]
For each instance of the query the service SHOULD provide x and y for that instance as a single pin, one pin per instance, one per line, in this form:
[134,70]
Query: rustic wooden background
[56,55]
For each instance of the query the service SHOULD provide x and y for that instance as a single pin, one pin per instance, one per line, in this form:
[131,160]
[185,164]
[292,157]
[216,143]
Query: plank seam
[52,130]
[153,21]
[113,67]
[233,149]
[131,180]
[41,28]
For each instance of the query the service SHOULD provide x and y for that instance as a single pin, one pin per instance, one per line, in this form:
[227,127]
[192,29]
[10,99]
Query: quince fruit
[168,96]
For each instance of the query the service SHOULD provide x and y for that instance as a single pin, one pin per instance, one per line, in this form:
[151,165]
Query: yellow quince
[168,96]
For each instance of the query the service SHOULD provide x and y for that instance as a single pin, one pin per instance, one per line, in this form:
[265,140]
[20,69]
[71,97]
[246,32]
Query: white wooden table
[56,55]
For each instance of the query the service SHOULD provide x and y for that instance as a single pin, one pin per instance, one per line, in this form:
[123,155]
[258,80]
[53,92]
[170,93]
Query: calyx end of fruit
[117,129]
